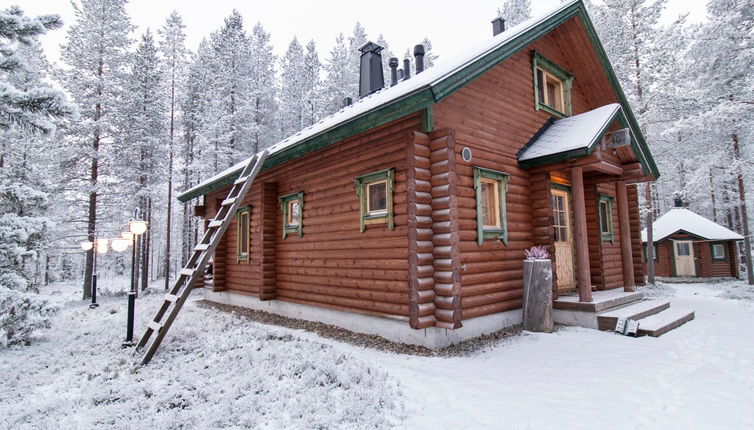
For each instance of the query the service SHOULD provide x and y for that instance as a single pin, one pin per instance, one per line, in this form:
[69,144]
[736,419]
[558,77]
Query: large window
[605,210]
[375,192]
[719,251]
[552,87]
[243,238]
[491,187]
[292,206]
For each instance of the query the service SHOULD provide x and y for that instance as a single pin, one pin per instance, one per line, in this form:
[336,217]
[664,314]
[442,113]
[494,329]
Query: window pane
[555,93]
[294,212]
[486,204]
[377,197]
[540,86]
[683,248]
[243,233]
[718,251]
[490,204]
[604,218]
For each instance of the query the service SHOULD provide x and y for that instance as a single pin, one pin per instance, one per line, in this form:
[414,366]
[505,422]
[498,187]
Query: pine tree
[262,85]
[96,53]
[338,79]
[292,90]
[429,57]
[313,97]
[515,11]
[173,49]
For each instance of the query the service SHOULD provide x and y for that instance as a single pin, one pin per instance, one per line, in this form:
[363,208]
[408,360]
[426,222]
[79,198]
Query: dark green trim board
[608,236]
[361,182]
[502,180]
[725,258]
[538,61]
[425,96]
[298,229]
[427,117]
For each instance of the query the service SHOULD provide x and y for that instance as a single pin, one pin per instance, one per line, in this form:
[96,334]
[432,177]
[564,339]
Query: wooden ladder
[194,268]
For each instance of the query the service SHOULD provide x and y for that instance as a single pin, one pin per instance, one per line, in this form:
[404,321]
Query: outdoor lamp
[120,245]
[86,245]
[102,246]
[137,227]
[127,235]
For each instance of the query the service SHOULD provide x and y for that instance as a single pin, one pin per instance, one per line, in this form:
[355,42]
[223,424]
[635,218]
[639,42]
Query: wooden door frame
[675,256]
[566,189]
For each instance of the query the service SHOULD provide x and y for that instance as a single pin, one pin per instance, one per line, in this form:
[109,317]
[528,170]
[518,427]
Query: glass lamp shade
[86,245]
[120,245]
[137,227]
[101,246]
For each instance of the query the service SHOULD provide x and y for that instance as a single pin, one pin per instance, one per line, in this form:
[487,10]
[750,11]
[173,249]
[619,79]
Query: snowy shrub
[21,313]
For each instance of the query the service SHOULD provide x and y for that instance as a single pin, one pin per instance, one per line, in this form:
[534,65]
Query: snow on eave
[681,219]
[422,81]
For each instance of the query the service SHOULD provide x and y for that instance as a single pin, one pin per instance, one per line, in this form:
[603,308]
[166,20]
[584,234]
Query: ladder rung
[241,180]
[154,325]
[229,201]
[202,247]
[215,223]
[187,272]
[171,298]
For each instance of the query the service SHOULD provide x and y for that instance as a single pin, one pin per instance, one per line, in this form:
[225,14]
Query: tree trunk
[744,212]
[146,245]
[712,196]
[650,235]
[169,221]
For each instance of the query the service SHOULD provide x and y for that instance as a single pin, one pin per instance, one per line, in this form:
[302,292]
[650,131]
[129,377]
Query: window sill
[608,238]
[494,234]
[551,111]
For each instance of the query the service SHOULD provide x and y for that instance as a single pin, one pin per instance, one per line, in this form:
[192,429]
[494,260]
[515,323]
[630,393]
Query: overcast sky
[450,26]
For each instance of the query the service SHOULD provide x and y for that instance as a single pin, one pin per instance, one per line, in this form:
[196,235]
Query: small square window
[654,252]
[552,87]
[375,192]
[292,206]
[242,232]
[491,187]
[719,252]
[605,205]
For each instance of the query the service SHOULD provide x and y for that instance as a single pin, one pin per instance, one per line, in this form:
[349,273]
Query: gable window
[552,87]
[491,187]
[719,251]
[292,206]
[605,207]
[375,192]
[243,217]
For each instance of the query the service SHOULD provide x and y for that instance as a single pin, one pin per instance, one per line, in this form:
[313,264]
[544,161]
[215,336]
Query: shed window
[292,206]
[243,216]
[605,205]
[552,87]
[491,187]
[375,192]
[654,252]
[719,252]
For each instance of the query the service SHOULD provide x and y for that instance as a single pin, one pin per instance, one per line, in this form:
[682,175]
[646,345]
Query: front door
[684,258]
[561,224]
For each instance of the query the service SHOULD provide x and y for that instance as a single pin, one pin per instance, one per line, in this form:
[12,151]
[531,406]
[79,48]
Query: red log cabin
[688,245]
[406,213]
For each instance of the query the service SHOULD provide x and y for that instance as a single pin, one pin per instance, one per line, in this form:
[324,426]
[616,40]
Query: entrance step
[601,301]
[661,323]
[632,311]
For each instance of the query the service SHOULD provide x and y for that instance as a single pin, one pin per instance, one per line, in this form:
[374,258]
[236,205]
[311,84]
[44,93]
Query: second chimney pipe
[498,26]
[406,68]
[393,63]
[419,58]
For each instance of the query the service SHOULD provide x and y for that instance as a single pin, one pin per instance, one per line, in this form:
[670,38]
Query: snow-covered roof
[418,92]
[572,133]
[678,219]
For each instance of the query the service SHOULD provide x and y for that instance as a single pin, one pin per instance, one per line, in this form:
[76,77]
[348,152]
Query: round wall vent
[466,154]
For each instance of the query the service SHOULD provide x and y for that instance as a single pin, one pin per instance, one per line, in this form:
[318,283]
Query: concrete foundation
[393,330]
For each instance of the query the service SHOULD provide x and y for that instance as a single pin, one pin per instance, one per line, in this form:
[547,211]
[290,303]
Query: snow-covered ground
[218,370]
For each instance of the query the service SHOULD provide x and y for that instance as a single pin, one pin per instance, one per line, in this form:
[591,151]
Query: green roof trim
[426,96]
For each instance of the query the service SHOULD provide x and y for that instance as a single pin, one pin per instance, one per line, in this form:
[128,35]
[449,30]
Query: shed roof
[575,134]
[427,88]
[683,220]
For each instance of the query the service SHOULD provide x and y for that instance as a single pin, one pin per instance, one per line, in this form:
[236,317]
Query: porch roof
[681,219]
[572,137]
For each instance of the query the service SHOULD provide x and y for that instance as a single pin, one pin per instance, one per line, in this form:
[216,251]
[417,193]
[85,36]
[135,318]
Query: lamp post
[136,228]
[100,247]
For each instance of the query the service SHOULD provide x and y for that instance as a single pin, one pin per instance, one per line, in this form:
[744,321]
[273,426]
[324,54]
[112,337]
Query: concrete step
[634,311]
[661,323]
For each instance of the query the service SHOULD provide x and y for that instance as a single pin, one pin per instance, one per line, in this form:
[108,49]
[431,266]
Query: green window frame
[654,247]
[722,259]
[243,233]
[367,214]
[285,205]
[498,180]
[541,67]
[605,219]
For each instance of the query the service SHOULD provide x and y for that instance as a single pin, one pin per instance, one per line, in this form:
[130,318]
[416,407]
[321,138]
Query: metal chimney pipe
[498,26]
[370,73]
[347,101]
[419,58]
[400,74]
[406,68]
[393,63]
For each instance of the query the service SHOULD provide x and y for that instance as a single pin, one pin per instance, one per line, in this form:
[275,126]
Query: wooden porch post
[625,237]
[580,239]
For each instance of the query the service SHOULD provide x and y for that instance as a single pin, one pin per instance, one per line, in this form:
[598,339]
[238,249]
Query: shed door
[684,258]
[561,224]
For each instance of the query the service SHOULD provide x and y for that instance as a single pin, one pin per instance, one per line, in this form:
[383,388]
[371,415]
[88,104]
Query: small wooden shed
[688,245]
